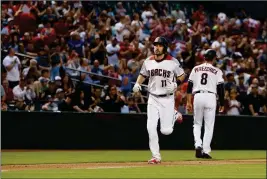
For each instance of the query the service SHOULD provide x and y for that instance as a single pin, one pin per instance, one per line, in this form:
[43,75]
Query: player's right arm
[141,78]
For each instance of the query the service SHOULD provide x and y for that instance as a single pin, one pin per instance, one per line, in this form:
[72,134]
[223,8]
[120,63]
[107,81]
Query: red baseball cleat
[154,161]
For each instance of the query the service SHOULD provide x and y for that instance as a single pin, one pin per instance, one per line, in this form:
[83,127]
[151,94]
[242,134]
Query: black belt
[203,92]
[162,95]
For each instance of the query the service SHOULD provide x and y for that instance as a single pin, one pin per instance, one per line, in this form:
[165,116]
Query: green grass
[196,171]
[149,171]
[50,157]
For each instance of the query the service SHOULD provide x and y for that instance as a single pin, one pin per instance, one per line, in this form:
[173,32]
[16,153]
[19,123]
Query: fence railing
[104,76]
[80,72]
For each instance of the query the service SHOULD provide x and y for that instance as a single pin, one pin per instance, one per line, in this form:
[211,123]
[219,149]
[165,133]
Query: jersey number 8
[204,77]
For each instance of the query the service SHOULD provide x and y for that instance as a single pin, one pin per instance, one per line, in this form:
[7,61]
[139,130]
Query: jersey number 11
[163,83]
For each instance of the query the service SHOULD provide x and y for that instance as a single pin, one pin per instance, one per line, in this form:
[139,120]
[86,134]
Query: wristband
[178,82]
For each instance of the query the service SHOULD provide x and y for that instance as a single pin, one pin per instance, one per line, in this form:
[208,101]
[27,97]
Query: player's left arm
[180,79]
[220,90]
[179,71]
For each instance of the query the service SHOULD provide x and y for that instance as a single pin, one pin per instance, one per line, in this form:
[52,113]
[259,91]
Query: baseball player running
[205,81]
[165,74]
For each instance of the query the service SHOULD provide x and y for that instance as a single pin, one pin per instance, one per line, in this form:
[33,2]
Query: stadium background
[64,100]
[57,36]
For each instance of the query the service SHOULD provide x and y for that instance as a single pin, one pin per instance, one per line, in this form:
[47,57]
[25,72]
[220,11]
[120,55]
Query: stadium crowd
[113,40]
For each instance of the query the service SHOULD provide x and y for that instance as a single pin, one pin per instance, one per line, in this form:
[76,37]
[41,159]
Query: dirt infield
[126,165]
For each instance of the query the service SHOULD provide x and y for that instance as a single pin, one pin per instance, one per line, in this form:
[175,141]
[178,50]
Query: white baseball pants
[204,106]
[159,108]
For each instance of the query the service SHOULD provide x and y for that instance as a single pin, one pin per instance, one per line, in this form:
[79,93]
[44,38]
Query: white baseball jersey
[160,73]
[206,77]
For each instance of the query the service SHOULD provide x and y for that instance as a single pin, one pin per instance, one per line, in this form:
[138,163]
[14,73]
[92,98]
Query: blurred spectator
[58,81]
[3,99]
[12,64]
[33,73]
[120,11]
[86,68]
[180,101]
[245,76]
[43,59]
[97,95]
[76,44]
[49,16]
[78,102]
[133,106]
[98,49]
[222,17]
[233,106]
[26,19]
[33,63]
[147,13]
[177,13]
[66,104]
[30,94]
[40,87]
[121,29]
[242,88]
[8,91]
[51,105]
[67,85]
[255,101]
[24,95]
[115,75]
[73,63]
[126,85]
[9,27]
[230,83]
[56,61]
[97,101]
[199,15]
[49,91]
[19,91]
[262,86]
[113,101]
[112,53]
[255,82]
[138,98]
[96,69]
[59,95]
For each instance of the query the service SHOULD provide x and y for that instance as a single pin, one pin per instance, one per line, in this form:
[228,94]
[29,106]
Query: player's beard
[158,53]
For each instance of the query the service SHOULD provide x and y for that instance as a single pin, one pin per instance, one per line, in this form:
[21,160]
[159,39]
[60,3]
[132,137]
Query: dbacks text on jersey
[159,72]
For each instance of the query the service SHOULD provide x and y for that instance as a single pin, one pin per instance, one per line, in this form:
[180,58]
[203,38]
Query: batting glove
[137,88]
[171,87]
